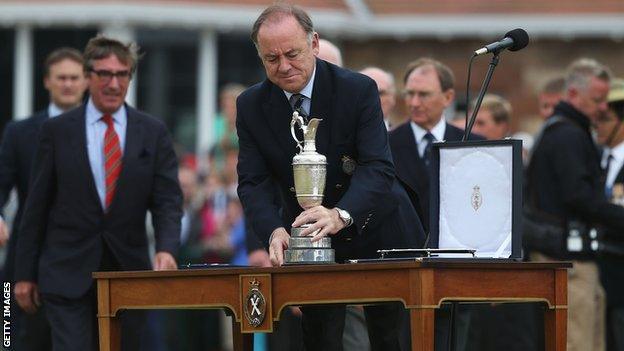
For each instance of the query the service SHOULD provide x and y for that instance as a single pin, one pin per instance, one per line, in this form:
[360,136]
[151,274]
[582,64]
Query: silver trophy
[310,170]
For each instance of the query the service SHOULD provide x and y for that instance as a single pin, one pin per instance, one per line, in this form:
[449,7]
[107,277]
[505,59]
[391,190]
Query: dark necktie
[429,139]
[296,101]
[608,189]
[112,159]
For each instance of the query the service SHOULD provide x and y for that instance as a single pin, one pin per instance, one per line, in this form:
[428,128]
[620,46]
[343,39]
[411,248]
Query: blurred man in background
[387,91]
[329,52]
[494,118]
[65,81]
[550,95]
[565,182]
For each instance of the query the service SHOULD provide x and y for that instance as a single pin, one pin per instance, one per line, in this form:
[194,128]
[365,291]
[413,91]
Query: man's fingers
[26,303]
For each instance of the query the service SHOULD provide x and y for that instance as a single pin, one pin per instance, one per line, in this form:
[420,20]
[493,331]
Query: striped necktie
[112,159]
[296,101]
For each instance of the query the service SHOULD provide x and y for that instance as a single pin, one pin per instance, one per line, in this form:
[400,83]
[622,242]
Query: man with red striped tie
[99,168]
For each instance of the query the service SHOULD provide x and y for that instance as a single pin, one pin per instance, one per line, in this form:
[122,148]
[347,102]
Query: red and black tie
[112,159]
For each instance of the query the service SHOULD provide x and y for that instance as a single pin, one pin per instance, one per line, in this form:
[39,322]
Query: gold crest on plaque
[255,304]
[477,199]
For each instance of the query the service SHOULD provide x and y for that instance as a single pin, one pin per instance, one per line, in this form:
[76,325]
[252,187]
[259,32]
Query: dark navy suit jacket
[351,128]
[64,228]
[17,151]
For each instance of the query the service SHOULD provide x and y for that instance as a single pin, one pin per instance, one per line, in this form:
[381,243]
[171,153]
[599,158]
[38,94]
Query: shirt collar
[94,115]
[54,110]
[617,152]
[307,90]
[437,131]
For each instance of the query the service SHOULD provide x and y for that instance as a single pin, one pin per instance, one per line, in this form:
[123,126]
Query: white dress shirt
[96,128]
[307,92]
[419,133]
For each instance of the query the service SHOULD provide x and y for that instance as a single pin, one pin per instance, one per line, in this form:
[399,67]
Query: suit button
[348,239]
[338,186]
[292,189]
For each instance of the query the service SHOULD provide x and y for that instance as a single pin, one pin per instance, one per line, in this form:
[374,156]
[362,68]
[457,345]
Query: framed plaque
[476,197]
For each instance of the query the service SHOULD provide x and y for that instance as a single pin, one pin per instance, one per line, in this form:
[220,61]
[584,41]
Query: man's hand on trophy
[277,245]
[325,220]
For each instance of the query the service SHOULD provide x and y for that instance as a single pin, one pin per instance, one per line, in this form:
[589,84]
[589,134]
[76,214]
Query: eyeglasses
[106,76]
[422,95]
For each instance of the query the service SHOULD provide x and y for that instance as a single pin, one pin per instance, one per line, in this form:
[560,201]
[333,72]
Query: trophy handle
[296,119]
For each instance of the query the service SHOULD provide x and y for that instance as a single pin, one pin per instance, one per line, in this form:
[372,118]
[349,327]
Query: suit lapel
[452,134]
[322,105]
[133,150]
[413,164]
[78,141]
[278,113]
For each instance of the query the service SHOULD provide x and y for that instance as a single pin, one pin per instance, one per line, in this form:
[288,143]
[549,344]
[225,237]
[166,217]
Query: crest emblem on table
[255,304]
[476,199]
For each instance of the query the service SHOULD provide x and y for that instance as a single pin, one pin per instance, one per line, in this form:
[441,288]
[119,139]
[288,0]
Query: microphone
[514,40]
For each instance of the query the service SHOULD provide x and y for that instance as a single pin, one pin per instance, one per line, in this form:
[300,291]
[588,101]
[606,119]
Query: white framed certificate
[476,197]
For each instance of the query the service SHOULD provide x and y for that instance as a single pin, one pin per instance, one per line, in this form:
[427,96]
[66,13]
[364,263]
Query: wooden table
[422,285]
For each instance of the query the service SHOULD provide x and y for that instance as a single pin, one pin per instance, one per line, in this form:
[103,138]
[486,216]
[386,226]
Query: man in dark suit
[428,91]
[65,81]
[364,207]
[98,170]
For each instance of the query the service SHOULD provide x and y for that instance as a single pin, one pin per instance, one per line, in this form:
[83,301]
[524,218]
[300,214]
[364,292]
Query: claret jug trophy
[309,170]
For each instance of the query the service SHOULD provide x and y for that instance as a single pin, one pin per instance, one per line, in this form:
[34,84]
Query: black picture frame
[517,181]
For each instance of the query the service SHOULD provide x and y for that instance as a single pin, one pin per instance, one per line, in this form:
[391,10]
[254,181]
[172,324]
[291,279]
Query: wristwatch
[345,217]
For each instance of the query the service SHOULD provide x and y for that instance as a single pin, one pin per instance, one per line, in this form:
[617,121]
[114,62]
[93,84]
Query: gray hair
[581,71]
[276,13]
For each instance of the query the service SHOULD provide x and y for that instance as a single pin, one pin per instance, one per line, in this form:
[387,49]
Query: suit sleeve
[166,198]
[374,174]
[35,218]
[256,189]
[571,165]
[8,163]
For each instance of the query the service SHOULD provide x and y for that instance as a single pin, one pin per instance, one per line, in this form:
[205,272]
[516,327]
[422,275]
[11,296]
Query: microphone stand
[484,86]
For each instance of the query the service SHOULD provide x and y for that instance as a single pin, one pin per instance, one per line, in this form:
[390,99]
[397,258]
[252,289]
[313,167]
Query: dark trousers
[615,328]
[74,324]
[73,321]
[323,326]
[34,331]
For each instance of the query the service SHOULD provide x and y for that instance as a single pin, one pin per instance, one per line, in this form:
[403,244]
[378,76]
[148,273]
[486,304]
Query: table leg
[242,341]
[422,324]
[110,333]
[555,326]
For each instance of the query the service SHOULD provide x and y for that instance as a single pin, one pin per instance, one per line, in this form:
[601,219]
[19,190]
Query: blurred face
[486,126]
[286,54]
[609,131]
[424,99]
[386,91]
[188,183]
[108,83]
[547,102]
[66,83]
[592,102]
[228,106]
